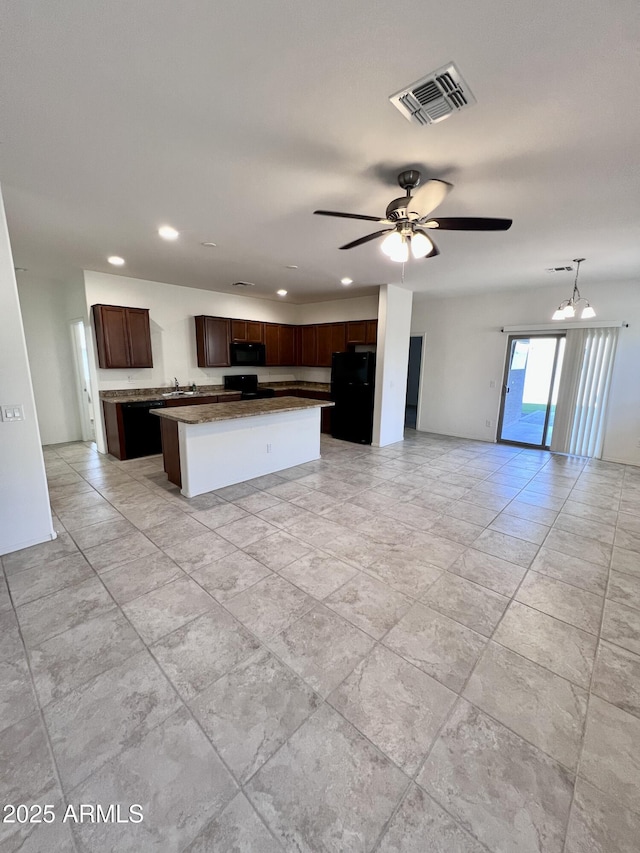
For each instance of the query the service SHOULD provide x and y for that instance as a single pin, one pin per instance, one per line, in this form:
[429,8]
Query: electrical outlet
[492,383]
[487,423]
[268,448]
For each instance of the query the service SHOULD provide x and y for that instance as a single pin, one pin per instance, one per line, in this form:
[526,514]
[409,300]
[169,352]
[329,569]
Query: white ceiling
[234,121]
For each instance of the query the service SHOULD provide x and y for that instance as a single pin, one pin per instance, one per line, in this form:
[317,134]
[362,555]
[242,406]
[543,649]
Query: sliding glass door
[530,389]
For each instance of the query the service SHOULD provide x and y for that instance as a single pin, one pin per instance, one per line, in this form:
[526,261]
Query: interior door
[530,389]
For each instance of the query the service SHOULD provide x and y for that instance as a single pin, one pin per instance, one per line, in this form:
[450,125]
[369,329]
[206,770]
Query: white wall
[25,516]
[465,351]
[337,310]
[392,361]
[48,307]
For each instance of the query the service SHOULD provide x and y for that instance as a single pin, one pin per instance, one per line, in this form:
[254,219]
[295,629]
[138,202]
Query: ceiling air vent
[434,97]
[243,284]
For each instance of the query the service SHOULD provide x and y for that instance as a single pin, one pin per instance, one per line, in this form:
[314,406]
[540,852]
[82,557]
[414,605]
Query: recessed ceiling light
[116,260]
[168,233]
[346,281]
[292,266]
[281,292]
[209,245]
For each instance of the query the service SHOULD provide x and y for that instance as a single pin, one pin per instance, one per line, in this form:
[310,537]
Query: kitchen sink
[179,394]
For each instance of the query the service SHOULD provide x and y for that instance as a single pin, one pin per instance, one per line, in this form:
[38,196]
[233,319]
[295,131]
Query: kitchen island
[211,446]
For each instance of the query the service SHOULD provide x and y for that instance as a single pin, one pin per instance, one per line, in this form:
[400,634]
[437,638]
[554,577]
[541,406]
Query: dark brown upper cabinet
[309,345]
[212,341]
[362,332]
[123,336]
[249,331]
[280,344]
[371,336]
[287,339]
[331,338]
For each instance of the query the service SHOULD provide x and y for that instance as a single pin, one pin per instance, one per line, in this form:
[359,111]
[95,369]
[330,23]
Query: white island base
[222,453]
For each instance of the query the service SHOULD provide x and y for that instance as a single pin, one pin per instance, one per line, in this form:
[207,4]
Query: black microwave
[247,355]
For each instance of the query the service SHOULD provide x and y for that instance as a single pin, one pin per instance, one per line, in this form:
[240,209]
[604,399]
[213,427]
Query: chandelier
[568,309]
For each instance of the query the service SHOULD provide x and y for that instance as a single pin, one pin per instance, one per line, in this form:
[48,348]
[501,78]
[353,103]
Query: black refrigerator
[352,386]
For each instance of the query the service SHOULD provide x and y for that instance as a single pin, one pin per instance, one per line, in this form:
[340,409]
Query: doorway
[530,390]
[83,382]
[413,382]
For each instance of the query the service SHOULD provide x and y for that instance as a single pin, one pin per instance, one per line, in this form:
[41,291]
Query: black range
[247,384]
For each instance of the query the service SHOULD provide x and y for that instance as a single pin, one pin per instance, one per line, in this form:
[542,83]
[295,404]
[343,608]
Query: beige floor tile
[238,828]
[67,660]
[167,608]
[230,575]
[611,754]
[318,574]
[277,550]
[600,824]
[505,547]
[322,647]
[466,602]
[181,796]
[616,677]
[202,650]
[498,575]
[565,602]
[398,707]
[369,604]
[624,588]
[133,579]
[556,645]
[571,570]
[350,794]
[437,645]
[506,792]
[421,825]
[39,620]
[621,625]
[97,720]
[49,577]
[541,707]
[250,712]
[269,606]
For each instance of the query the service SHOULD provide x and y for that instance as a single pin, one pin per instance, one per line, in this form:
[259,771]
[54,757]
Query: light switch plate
[12,413]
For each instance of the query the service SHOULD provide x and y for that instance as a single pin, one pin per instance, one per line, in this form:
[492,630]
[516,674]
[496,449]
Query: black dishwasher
[141,428]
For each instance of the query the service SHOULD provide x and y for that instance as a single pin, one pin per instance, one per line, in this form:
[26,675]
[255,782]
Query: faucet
[176,384]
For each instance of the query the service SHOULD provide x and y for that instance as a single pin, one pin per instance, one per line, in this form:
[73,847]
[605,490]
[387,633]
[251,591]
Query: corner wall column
[392,361]
[25,514]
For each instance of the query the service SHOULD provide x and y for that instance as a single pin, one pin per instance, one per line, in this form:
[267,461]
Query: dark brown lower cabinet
[115,423]
[171,451]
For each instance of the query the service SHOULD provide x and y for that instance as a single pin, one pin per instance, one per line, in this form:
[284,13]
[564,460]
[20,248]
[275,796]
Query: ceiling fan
[410,216]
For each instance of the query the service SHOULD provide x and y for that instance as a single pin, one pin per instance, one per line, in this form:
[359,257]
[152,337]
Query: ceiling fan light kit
[409,215]
[569,307]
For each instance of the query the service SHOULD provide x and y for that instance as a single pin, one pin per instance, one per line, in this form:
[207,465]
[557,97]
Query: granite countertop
[140,395]
[208,413]
[148,397]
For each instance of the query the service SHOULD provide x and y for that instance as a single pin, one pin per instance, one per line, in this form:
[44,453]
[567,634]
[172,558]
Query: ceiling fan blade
[366,239]
[350,215]
[428,197]
[468,223]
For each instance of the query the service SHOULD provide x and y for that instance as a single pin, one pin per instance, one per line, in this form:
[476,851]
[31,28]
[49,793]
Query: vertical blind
[584,391]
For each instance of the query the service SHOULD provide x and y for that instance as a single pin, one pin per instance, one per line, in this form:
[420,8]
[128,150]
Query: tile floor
[433,646]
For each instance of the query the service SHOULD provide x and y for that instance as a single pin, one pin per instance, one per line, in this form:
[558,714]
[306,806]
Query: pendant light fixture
[568,309]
